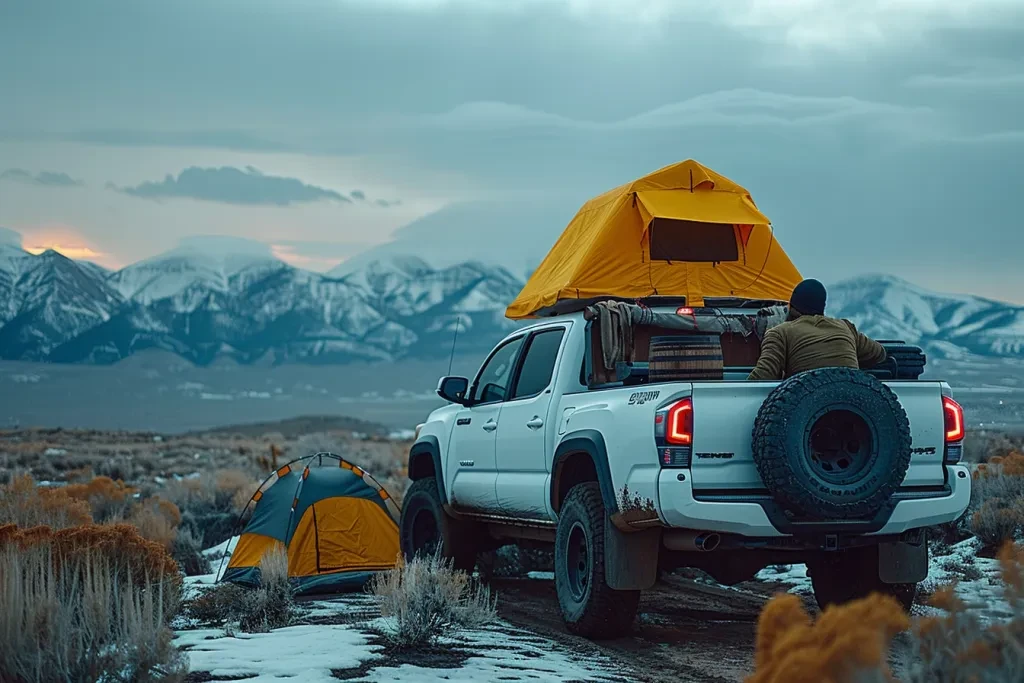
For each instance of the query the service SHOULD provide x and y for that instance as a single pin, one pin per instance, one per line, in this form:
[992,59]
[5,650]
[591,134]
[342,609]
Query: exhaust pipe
[704,541]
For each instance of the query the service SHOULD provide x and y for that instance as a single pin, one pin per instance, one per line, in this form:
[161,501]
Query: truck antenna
[451,358]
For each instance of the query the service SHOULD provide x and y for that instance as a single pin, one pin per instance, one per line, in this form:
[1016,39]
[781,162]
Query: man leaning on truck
[809,340]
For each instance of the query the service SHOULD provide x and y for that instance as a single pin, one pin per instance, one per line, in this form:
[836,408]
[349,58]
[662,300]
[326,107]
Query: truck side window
[492,383]
[539,363]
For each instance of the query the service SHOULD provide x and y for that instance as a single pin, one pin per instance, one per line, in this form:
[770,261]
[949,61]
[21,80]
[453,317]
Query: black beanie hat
[809,298]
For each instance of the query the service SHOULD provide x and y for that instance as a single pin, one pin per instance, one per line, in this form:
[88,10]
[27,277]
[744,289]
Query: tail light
[673,433]
[953,419]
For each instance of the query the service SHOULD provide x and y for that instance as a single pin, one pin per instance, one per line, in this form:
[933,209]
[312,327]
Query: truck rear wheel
[589,606]
[839,577]
[425,527]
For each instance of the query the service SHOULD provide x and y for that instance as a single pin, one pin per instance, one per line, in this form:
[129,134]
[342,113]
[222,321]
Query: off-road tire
[458,539]
[841,576]
[600,612]
[780,444]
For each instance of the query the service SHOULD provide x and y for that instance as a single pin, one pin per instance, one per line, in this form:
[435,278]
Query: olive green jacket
[811,342]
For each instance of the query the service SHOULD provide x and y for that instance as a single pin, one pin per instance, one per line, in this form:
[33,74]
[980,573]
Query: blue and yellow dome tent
[337,524]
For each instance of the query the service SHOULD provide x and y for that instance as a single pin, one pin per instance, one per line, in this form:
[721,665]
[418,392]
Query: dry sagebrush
[24,504]
[427,598]
[961,647]
[254,610]
[77,608]
[997,501]
[849,644]
[844,644]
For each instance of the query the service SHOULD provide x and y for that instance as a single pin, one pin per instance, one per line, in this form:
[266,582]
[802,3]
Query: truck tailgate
[723,421]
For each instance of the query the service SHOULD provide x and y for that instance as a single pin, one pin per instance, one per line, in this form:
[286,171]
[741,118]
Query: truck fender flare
[591,442]
[424,457]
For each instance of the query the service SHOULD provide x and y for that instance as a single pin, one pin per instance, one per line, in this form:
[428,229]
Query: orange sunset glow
[65,240]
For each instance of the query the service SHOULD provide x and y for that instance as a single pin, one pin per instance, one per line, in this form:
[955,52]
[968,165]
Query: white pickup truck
[834,468]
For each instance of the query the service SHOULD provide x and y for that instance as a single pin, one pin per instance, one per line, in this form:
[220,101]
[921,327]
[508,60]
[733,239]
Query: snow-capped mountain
[202,303]
[47,299]
[947,325]
[213,263]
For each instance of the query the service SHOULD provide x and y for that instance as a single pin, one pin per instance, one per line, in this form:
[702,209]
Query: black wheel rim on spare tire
[839,443]
[832,443]
[578,562]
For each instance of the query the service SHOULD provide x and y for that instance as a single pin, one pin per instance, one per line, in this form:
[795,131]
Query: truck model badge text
[641,397]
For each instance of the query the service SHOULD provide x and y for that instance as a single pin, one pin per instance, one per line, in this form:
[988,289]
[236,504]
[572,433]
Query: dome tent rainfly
[337,524]
[683,230]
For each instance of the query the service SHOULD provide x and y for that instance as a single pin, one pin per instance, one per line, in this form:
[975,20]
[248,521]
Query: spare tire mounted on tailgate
[832,443]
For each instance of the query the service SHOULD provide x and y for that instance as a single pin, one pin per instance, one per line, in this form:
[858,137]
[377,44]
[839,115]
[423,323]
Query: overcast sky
[879,136]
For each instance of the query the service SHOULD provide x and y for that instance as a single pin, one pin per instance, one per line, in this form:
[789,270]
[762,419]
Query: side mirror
[454,389]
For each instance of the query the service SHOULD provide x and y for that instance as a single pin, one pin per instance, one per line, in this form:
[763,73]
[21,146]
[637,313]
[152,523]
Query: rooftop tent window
[680,240]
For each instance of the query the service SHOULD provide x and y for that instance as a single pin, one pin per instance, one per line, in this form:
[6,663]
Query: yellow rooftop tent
[682,231]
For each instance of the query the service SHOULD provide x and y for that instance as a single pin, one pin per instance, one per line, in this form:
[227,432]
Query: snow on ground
[976,578]
[318,651]
[302,653]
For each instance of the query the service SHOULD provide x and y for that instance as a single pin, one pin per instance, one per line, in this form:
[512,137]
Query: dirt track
[686,631]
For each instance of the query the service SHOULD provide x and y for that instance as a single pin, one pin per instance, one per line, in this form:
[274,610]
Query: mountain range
[205,305]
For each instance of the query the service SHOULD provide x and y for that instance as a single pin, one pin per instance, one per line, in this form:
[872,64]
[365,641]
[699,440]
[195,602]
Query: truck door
[471,455]
[523,428]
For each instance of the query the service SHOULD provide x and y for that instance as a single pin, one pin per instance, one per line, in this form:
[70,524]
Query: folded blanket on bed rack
[618,318]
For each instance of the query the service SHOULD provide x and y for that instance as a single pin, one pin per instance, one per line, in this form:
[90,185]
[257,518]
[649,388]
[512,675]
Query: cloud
[316,255]
[231,185]
[10,238]
[737,107]
[43,178]
[976,79]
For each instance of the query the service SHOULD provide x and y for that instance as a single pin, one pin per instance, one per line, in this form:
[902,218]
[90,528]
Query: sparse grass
[210,505]
[849,644]
[86,605]
[107,499]
[997,501]
[960,647]
[24,504]
[426,599]
[253,610]
[188,553]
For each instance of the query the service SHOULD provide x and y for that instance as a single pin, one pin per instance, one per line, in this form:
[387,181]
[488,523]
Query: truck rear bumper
[749,515]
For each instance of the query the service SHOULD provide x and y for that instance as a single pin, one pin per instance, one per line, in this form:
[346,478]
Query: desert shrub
[272,604]
[961,647]
[216,606]
[77,611]
[188,553]
[981,445]
[210,505]
[997,501]
[255,610]
[136,558]
[427,598]
[848,644]
[319,442]
[24,504]
[108,499]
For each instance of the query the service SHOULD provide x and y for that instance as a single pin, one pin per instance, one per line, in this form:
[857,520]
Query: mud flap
[630,559]
[902,562]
